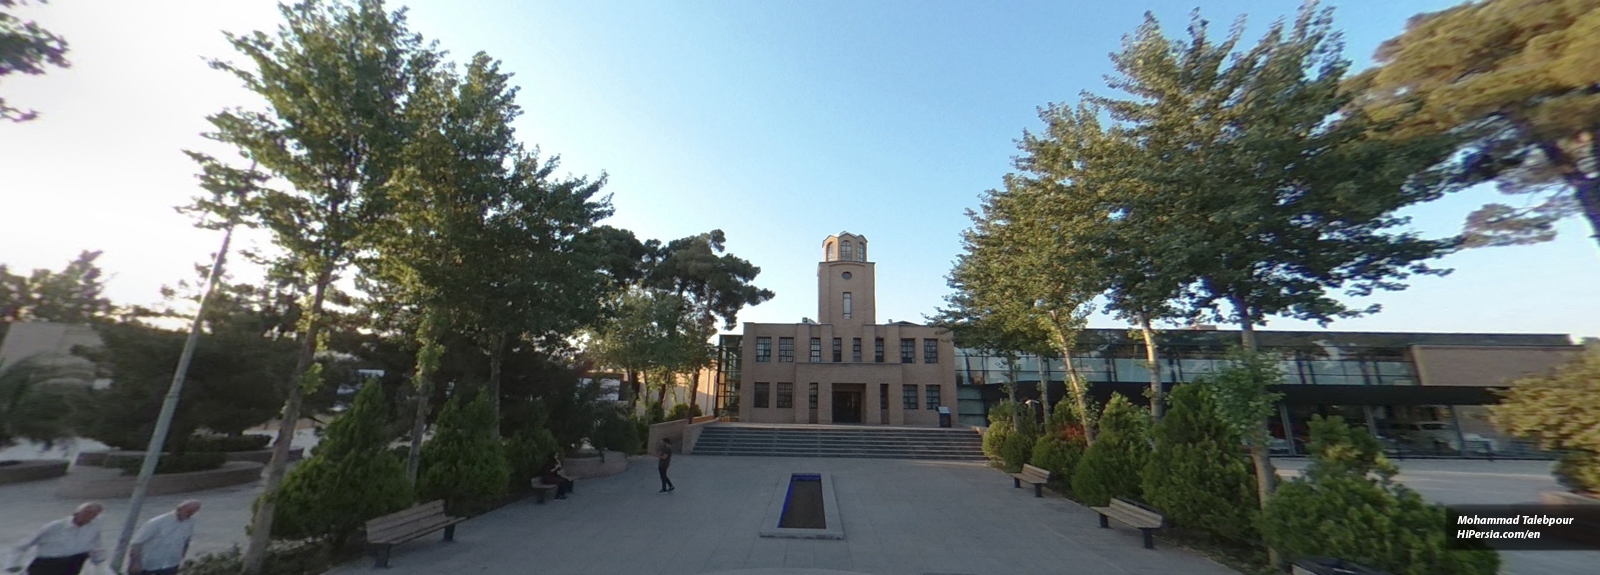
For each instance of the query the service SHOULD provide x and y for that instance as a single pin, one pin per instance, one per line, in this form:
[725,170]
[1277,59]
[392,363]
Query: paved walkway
[900,518]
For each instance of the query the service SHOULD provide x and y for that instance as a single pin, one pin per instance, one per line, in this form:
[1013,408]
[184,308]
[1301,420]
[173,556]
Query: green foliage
[1512,83]
[1059,455]
[1197,475]
[463,463]
[1559,411]
[178,463]
[230,443]
[617,431]
[351,477]
[282,558]
[1016,449]
[1064,416]
[1240,393]
[682,411]
[37,396]
[529,452]
[1112,465]
[27,48]
[1348,506]
[1003,413]
[994,439]
[73,295]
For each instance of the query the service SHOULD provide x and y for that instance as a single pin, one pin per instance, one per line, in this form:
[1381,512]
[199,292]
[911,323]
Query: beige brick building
[846,367]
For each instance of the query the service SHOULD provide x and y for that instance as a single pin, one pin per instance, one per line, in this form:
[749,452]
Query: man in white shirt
[63,545]
[160,546]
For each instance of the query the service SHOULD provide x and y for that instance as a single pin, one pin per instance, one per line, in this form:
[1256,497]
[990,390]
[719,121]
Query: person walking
[63,545]
[161,544]
[665,455]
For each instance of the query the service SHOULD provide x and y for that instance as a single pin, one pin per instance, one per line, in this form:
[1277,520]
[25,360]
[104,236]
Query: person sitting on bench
[555,476]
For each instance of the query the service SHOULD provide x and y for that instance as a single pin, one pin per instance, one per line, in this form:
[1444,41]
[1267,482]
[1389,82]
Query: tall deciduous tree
[1518,82]
[26,48]
[337,79]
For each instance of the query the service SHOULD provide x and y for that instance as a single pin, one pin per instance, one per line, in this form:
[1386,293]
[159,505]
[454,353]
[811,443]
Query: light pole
[169,406]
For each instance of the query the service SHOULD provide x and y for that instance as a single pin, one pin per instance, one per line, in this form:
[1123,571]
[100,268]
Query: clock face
[845,275]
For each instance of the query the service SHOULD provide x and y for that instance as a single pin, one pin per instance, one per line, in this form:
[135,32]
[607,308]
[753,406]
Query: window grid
[811,395]
[763,389]
[883,396]
[908,396]
[763,349]
[847,309]
[816,350]
[908,351]
[930,351]
[785,395]
[932,392]
[855,350]
[785,350]
[838,350]
[877,353]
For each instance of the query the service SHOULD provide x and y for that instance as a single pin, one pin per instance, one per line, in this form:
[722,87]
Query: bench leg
[383,557]
[1103,523]
[450,533]
[1149,539]
[1038,490]
[1016,483]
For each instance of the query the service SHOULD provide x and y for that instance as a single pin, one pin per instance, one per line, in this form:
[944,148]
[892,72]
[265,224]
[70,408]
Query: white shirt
[162,541]
[61,538]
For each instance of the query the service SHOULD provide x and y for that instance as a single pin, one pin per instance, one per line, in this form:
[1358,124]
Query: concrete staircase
[870,442]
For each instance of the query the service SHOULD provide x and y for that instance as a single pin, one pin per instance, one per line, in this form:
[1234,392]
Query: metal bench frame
[1133,515]
[383,533]
[1032,475]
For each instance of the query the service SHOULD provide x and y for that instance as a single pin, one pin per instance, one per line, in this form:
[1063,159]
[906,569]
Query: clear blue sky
[777,122]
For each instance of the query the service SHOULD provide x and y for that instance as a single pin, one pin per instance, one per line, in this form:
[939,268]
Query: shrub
[529,453]
[681,411]
[1579,471]
[283,558]
[1197,474]
[1112,465]
[230,443]
[1014,451]
[1059,455]
[1064,416]
[994,438]
[1347,506]
[177,463]
[1002,413]
[1559,411]
[618,432]
[351,476]
[463,463]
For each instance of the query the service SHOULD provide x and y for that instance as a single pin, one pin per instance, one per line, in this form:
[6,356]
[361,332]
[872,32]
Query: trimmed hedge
[229,443]
[177,463]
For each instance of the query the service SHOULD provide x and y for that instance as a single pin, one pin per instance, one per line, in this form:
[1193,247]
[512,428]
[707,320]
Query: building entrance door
[847,406]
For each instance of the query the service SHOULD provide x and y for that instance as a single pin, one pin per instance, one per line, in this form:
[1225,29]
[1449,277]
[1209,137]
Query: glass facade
[1126,364]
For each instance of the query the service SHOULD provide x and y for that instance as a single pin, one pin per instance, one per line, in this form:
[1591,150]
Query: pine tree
[1113,464]
[463,463]
[1197,474]
[350,477]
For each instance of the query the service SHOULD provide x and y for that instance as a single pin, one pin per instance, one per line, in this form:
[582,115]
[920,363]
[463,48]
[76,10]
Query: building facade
[843,368]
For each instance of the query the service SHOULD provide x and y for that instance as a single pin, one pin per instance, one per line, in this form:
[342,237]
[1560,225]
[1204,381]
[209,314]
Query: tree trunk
[633,386]
[1016,407]
[694,391]
[1044,388]
[497,359]
[661,396]
[261,525]
[1080,397]
[1152,357]
[427,362]
[1266,475]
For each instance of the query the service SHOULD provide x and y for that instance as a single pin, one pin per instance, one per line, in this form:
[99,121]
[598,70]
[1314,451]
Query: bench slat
[1132,511]
[1035,471]
[435,507]
[411,531]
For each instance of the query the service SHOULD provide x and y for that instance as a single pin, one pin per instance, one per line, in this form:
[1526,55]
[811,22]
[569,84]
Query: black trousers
[69,565]
[563,487]
[665,483]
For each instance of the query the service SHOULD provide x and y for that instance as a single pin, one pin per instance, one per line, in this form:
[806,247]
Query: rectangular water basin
[803,507]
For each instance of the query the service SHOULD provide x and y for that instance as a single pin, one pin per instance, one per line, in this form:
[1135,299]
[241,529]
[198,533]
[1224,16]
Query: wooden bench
[393,529]
[1133,515]
[1032,475]
[540,488]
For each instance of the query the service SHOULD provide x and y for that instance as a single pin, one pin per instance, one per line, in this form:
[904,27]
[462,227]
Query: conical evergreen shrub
[529,453]
[350,477]
[1198,475]
[463,463]
[1348,506]
[1114,463]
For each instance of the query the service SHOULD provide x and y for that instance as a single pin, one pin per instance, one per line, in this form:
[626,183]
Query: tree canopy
[26,48]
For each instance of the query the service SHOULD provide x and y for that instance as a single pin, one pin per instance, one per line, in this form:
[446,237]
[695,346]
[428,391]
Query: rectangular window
[883,396]
[838,350]
[855,350]
[812,395]
[785,396]
[930,351]
[847,309]
[785,350]
[816,350]
[932,392]
[763,390]
[763,349]
[908,395]
[847,253]
[877,353]
[908,351]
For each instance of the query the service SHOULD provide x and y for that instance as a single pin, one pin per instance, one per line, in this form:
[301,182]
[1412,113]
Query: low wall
[114,458]
[691,433]
[666,430]
[107,483]
[613,463]
[32,470]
